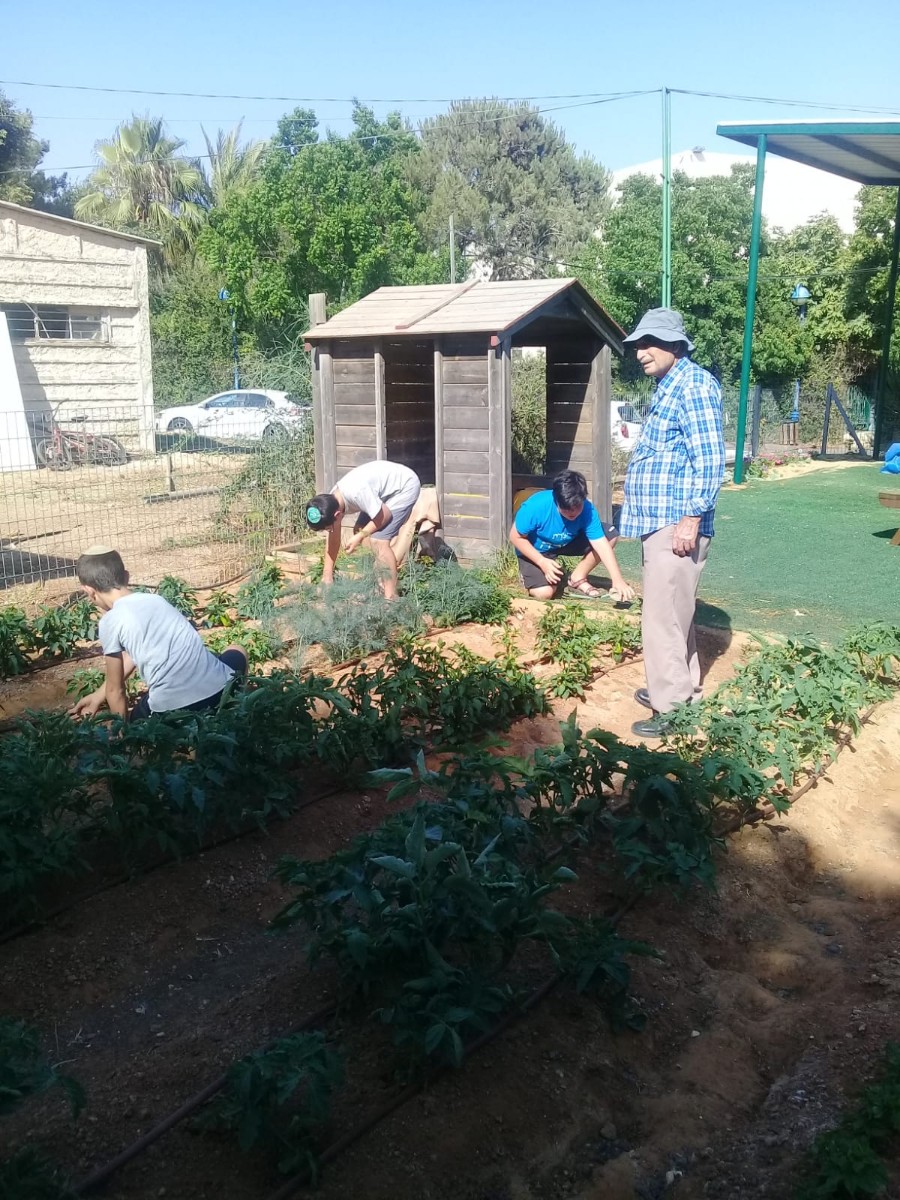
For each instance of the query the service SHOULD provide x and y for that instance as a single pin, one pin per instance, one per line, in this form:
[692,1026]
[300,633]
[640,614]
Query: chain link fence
[217,490]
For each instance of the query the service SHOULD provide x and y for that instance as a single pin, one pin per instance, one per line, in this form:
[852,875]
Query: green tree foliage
[711,219]
[21,182]
[522,199]
[230,166]
[143,184]
[868,262]
[335,216]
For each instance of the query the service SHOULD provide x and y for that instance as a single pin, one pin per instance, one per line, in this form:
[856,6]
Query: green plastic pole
[666,198]
[881,384]
[751,309]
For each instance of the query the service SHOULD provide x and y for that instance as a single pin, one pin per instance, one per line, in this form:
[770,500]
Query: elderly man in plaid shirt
[671,488]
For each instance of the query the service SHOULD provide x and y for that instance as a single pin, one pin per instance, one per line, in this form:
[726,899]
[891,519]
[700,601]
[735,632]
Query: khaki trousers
[667,619]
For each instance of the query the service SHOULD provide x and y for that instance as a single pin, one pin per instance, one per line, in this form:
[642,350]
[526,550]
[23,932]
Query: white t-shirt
[366,488]
[169,652]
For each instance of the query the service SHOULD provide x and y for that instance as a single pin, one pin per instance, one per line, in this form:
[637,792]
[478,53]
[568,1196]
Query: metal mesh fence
[206,499]
[775,409]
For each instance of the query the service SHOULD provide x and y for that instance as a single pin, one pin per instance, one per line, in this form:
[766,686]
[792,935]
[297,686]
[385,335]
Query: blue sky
[405,52]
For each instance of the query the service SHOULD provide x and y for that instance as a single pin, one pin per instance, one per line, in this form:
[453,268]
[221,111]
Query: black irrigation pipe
[100,1176]
[337,1148]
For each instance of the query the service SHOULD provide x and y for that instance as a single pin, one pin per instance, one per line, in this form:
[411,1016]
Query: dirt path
[774,996]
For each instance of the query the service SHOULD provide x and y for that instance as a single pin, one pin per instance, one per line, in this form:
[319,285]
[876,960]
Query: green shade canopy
[865,151]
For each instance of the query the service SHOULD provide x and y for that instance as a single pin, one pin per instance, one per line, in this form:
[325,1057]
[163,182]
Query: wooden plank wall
[466,499]
[355,412]
[409,404]
[569,411]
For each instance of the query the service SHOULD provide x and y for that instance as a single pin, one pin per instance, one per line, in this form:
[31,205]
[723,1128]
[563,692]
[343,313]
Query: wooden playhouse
[422,376]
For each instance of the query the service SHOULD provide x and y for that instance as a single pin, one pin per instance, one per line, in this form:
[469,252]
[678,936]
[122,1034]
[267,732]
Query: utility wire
[398,133]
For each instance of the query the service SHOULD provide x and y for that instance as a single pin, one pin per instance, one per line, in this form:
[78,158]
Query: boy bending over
[563,521]
[141,631]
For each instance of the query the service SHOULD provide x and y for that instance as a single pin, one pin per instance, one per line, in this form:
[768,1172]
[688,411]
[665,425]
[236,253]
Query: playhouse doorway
[409,406]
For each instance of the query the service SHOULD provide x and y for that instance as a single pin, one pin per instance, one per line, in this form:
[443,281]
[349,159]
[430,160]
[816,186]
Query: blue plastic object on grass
[892,460]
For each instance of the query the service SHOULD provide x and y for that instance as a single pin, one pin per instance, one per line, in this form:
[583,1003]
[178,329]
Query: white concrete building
[792,192]
[76,303]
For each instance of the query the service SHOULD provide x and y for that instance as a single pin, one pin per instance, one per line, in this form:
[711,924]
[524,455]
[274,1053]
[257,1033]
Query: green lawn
[808,555]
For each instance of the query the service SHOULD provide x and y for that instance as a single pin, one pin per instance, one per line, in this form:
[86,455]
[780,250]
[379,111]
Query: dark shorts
[235,659]
[533,577]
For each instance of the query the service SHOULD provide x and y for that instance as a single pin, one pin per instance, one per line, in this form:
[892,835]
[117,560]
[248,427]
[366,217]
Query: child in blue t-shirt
[563,521]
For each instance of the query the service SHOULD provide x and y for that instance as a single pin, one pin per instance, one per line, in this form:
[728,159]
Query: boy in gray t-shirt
[141,631]
[383,493]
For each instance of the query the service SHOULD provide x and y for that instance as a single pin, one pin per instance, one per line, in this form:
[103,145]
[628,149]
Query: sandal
[585,589]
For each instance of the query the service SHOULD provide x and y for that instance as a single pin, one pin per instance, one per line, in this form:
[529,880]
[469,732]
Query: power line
[873,108]
[79,87]
[410,130]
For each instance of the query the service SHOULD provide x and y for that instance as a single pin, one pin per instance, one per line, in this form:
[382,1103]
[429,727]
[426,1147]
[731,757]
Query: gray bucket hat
[664,324]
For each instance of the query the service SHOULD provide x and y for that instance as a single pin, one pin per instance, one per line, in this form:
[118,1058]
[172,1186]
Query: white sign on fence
[16,451]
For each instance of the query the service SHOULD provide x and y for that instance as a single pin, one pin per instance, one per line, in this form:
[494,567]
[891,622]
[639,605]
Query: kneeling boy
[141,631]
[563,521]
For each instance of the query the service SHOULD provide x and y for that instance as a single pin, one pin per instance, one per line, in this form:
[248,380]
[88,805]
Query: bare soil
[772,1000]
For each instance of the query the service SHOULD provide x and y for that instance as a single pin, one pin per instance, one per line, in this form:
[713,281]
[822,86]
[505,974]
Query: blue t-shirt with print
[547,529]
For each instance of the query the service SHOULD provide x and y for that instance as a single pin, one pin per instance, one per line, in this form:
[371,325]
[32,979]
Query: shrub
[256,598]
[268,494]
[451,594]
[350,618]
[179,594]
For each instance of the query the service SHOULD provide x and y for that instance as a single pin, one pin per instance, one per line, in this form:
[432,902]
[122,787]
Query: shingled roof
[483,307]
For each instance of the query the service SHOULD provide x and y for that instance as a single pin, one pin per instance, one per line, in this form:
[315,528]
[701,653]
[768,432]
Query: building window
[29,322]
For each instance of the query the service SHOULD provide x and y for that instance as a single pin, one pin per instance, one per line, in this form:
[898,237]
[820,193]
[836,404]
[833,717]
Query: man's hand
[684,539]
[90,705]
[553,572]
[354,543]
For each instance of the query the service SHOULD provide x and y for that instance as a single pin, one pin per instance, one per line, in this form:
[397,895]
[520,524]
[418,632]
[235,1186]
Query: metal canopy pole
[666,198]
[751,309]
[881,384]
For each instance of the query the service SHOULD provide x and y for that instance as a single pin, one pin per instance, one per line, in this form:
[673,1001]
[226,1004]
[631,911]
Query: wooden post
[439,420]
[499,426]
[380,403]
[755,417]
[598,396]
[827,421]
[317,317]
[170,477]
[329,433]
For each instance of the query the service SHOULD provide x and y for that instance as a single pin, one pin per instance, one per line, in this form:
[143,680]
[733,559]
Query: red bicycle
[61,449]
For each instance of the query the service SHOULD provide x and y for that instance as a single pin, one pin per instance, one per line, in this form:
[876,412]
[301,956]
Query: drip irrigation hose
[100,1176]
[337,1148]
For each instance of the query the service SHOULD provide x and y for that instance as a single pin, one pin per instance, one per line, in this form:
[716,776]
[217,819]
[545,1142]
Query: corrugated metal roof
[485,307]
[864,151]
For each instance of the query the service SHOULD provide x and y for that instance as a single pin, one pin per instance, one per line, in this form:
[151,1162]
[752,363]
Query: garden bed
[151,995]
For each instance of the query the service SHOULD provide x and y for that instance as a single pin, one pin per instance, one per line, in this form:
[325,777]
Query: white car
[625,425]
[247,413]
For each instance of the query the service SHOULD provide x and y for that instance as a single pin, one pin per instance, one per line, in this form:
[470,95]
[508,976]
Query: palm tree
[142,182]
[231,166]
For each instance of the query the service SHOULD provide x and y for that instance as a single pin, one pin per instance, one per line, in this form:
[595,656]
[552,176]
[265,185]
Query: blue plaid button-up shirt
[677,465]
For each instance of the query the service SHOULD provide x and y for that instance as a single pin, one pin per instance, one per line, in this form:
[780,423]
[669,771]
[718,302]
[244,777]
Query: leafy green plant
[56,632]
[267,496]
[848,1161]
[566,634]
[621,636]
[179,594]
[15,640]
[84,681]
[256,598]
[260,645]
[279,1099]
[217,611]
